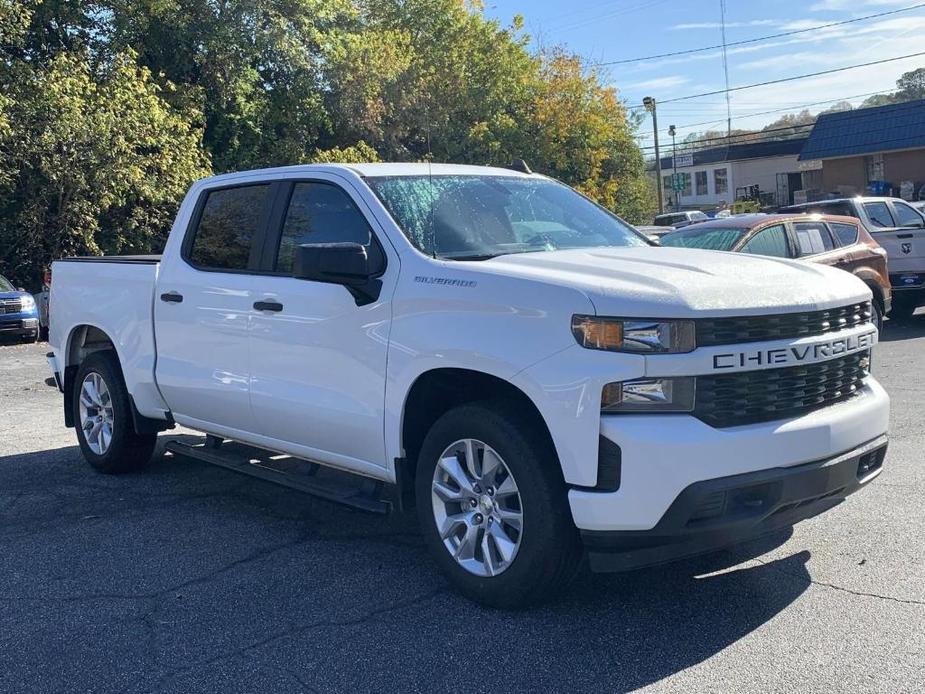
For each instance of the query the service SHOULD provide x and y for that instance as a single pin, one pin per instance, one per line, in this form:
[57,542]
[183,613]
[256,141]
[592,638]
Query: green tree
[100,161]
[911,85]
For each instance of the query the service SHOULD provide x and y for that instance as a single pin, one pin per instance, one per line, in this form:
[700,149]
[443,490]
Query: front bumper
[716,513]
[19,326]
[662,455]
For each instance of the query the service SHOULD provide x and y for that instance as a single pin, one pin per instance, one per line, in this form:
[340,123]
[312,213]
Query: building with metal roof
[877,150]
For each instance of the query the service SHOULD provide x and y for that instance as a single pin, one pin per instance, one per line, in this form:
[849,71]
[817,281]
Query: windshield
[477,217]
[714,239]
[5,285]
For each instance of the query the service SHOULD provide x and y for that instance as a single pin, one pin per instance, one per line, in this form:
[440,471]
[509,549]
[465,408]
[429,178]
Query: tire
[876,315]
[547,552]
[125,451]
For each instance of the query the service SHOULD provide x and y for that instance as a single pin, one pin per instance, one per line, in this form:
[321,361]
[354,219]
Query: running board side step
[361,493]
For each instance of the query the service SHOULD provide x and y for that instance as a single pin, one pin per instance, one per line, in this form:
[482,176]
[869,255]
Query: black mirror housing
[346,263]
[335,263]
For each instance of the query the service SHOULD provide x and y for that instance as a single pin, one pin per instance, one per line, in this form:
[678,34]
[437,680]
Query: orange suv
[833,240]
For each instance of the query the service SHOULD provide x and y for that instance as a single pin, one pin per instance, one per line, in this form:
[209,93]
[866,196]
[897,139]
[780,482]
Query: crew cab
[900,229]
[488,346]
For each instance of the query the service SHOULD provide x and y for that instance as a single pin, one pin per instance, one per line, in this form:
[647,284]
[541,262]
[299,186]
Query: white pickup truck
[488,346]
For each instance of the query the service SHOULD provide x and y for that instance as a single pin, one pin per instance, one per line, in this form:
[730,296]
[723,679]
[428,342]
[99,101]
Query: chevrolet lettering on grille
[795,354]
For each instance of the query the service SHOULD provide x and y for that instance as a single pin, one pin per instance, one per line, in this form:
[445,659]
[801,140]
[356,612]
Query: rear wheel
[493,506]
[105,429]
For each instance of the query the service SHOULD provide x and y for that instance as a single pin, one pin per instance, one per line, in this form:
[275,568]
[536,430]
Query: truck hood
[684,282]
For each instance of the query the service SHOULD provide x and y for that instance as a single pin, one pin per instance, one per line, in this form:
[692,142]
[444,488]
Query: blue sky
[602,30]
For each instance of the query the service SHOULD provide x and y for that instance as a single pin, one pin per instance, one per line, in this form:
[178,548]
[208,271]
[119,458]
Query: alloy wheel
[477,507]
[96,416]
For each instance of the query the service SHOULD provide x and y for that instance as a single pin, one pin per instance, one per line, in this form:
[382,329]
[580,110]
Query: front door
[203,307]
[318,359]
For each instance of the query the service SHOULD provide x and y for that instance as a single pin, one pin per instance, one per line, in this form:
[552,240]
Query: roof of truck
[375,170]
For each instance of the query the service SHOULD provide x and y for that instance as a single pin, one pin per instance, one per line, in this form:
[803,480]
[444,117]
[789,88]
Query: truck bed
[116,296]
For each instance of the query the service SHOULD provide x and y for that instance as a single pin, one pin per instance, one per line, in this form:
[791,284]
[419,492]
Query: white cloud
[729,25]
[659,83]
[853,5]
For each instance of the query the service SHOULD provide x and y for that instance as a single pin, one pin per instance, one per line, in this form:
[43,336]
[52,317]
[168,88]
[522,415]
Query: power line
[794,107]
[695,147]
[738,136]
[789,79]
[761,38]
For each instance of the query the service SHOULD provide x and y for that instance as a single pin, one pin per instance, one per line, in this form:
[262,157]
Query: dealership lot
[187,577]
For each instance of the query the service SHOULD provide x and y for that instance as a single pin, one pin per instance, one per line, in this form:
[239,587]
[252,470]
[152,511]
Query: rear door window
[879,214]
[771,241]
[906,216]
[228,225]
[845,234]
[812,238]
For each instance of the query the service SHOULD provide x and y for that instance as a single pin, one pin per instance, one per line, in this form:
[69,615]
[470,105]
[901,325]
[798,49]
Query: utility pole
[649,103]
[674,166]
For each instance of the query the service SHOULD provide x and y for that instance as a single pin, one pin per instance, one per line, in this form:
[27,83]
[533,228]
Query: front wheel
[876,316]
[105,429]
[493,506]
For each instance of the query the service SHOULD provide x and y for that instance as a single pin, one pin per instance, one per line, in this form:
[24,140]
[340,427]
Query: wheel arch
[82,341]
[437,391]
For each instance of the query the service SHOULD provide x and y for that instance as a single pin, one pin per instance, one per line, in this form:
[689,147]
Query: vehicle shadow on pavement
[903,330]
[187,578]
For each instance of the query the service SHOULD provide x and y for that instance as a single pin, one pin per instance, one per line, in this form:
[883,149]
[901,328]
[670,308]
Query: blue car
[19,316]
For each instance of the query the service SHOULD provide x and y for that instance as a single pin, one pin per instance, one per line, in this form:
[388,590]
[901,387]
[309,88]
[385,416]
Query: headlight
[28,303]
[649,395]
[633,334]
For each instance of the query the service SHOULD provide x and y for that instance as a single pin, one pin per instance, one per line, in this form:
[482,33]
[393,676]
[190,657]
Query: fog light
[649,395]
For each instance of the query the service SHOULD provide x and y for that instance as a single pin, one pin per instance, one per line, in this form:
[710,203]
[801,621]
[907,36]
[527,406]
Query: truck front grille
[730,331]
[10,306]
[748,397]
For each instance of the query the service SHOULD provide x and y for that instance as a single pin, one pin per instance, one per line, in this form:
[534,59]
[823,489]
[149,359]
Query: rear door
[319,358]
[203,306]
[814,241]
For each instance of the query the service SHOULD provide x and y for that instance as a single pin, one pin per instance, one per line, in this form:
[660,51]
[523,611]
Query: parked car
[680,219]
[18,314]
[488,346]
[841,242]
[900,229]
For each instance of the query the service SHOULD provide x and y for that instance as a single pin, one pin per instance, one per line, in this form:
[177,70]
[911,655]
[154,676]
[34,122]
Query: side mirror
[346,264]
[20,289]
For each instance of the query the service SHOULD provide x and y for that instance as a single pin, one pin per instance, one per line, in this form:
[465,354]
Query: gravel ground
[188,578]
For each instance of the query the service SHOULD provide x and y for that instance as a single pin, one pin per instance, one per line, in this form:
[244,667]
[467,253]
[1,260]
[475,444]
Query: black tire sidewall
[127,451]
[549,547]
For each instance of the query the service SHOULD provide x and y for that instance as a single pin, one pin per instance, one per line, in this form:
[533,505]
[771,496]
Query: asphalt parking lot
[187,578]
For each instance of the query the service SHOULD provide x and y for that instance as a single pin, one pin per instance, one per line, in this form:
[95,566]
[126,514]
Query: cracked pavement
[190,578]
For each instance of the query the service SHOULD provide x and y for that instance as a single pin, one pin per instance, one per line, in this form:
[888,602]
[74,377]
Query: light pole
[649,103]
[674,166]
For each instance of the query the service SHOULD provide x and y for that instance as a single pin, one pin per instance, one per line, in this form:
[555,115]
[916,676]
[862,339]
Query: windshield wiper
[475,256]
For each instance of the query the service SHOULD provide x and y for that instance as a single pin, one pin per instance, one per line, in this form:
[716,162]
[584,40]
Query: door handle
[904,236]
[172,297]
[274,306]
